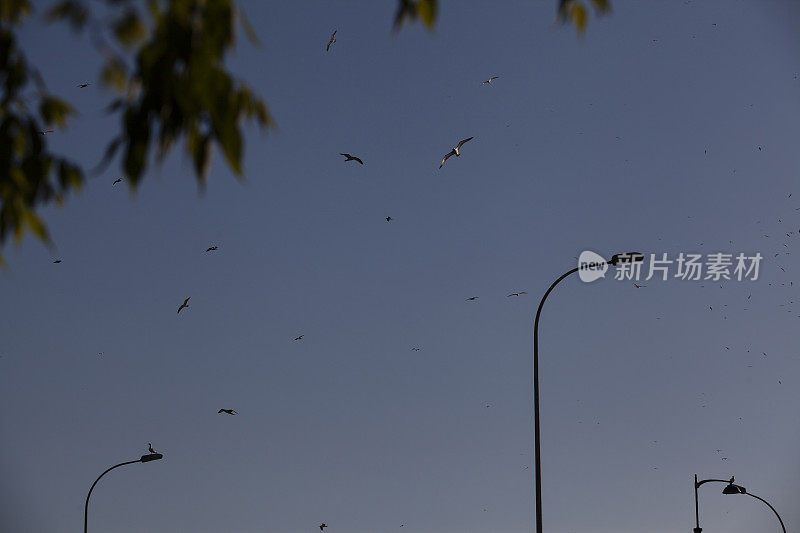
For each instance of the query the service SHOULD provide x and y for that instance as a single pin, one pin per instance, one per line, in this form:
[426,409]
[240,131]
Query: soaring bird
[489,81]
[299,338]
[323,525]
[639,286]
[416,349]
[351,158]
[388,219]
[82,85]
[472,298]
[45,132]
[333,40]
[116,181]
[150,448]
[185,304]
[211,248]
[454,151]
[229,411]
[517,293]
[57,261]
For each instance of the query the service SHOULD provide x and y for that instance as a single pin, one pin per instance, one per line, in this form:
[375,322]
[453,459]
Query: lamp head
[627,257]
[734,489]
[151,457]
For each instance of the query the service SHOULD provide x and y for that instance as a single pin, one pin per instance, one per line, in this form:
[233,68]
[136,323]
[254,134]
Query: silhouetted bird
[333,40]
[82,85]
[45,132]
[489,81]
[150,448]
[57,261]
[415,349]
[639,286]
[116,181]
[472,298]
[388,219]
[454,151]
[516,293]
[212,248]
[351,158]
[184,304]
[229,411]
[299,338]
[322,525]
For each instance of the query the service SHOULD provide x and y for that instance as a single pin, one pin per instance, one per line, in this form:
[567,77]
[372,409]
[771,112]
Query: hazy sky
[581,144]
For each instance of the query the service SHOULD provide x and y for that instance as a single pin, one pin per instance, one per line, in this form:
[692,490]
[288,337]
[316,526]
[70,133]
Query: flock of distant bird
[455,151]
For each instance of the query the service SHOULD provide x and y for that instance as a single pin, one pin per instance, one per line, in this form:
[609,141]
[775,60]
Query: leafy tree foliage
[166,65]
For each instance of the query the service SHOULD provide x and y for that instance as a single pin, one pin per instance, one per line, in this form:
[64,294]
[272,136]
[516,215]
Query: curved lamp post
[730,489]
[144,459]
[631,257]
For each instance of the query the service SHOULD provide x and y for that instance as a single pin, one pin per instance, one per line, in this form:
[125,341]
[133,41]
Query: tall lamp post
[729,489]
[632,257]
[144,459]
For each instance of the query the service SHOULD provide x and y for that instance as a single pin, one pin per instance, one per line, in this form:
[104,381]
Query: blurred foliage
[569,11]
[164,60]
[575,12]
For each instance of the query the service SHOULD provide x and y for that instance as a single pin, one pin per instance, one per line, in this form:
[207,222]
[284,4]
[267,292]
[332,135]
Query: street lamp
[731,488]
[738,489]
[143,459]
[630,257]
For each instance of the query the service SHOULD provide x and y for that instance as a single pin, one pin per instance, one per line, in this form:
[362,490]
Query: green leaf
[36,225]
[54,110]
[129,28]
[249,31]
[426,9]
[115,74]
[14,10]
[602,6]
[72,11]
[578,15]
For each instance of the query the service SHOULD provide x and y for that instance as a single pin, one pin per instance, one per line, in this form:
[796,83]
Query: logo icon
[592,266]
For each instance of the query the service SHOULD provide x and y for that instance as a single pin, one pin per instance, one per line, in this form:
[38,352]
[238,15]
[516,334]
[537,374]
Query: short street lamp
[143,459]
[731,488]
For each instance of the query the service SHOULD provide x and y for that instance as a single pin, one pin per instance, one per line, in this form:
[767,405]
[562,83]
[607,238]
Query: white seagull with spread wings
[454,151]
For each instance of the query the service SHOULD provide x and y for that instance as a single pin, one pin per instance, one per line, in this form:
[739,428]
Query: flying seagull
[351,158]
[388,219]
[472,298]
[333,40]
[150,448]
[322,525]
[57,261]
[639,286]
[299,338]
[229,411]
[212,248]
[185,304]
[116,181]
[489,81]
[517,293]
[454,151]
[45,132]
[416,349]
[82,85]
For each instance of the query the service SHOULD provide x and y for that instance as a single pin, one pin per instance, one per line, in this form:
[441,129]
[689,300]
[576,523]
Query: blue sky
[609,143]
